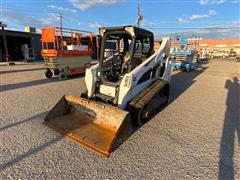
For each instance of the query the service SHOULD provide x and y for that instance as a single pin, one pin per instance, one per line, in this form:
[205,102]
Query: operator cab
[122,50]
[116,56]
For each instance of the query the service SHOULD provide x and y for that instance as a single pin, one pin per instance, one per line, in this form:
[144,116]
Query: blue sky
[205,18]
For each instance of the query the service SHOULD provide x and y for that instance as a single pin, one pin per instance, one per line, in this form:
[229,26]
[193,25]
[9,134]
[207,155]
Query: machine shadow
[31,151]
[23,63]
[35,83]
[20,70]
[180,82]
[37,116]
[230,128]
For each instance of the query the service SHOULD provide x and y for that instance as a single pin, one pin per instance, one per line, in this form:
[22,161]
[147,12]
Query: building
[21,45]
[220,44]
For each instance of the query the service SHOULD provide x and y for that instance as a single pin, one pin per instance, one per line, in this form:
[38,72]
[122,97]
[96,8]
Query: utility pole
[60,18]
[5,44]
[140,18]
[4,41]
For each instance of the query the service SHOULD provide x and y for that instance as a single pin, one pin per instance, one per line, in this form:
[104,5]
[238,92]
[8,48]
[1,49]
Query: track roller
[149,102]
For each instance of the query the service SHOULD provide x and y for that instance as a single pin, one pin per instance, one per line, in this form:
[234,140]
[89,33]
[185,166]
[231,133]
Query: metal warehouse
[21,45]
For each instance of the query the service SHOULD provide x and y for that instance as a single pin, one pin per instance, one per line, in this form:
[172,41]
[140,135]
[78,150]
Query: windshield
[116,56]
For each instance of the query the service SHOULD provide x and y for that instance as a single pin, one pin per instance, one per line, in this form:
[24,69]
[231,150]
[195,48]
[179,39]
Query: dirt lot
[196,137]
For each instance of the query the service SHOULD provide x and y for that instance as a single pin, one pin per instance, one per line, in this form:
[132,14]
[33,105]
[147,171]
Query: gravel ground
[196,137]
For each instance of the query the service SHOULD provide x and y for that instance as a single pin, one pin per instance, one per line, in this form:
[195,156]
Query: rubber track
[143,98]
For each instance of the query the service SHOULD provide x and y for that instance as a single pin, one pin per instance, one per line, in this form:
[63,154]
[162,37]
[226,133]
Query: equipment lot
[197,136]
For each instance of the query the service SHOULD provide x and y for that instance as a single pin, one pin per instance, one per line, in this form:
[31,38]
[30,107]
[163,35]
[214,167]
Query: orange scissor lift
[66,51]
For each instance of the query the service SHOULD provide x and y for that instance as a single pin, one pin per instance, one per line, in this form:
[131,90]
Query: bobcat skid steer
[127,87]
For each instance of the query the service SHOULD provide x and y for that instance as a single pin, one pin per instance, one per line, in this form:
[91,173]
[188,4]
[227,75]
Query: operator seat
[126,60]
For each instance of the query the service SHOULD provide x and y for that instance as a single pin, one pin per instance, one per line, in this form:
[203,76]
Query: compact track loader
[127,87]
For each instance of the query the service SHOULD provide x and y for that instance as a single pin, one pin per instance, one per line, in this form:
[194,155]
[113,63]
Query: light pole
[5,44]
[140,17]
[60,18]
[4,39]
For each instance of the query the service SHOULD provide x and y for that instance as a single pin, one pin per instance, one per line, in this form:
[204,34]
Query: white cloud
[215,32]
[205,2]
[183,20]
[12,28]
[62,9]
[87,4]
[220,2]
[51,20]
[95,25]
[195,17]
[4,20]
[236,22]
[147,22]
[234,2]
[22,19]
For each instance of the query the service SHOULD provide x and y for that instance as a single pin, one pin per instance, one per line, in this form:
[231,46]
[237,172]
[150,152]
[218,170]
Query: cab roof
[134,31]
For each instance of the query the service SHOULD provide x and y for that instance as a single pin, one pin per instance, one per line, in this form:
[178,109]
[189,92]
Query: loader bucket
[95,125]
